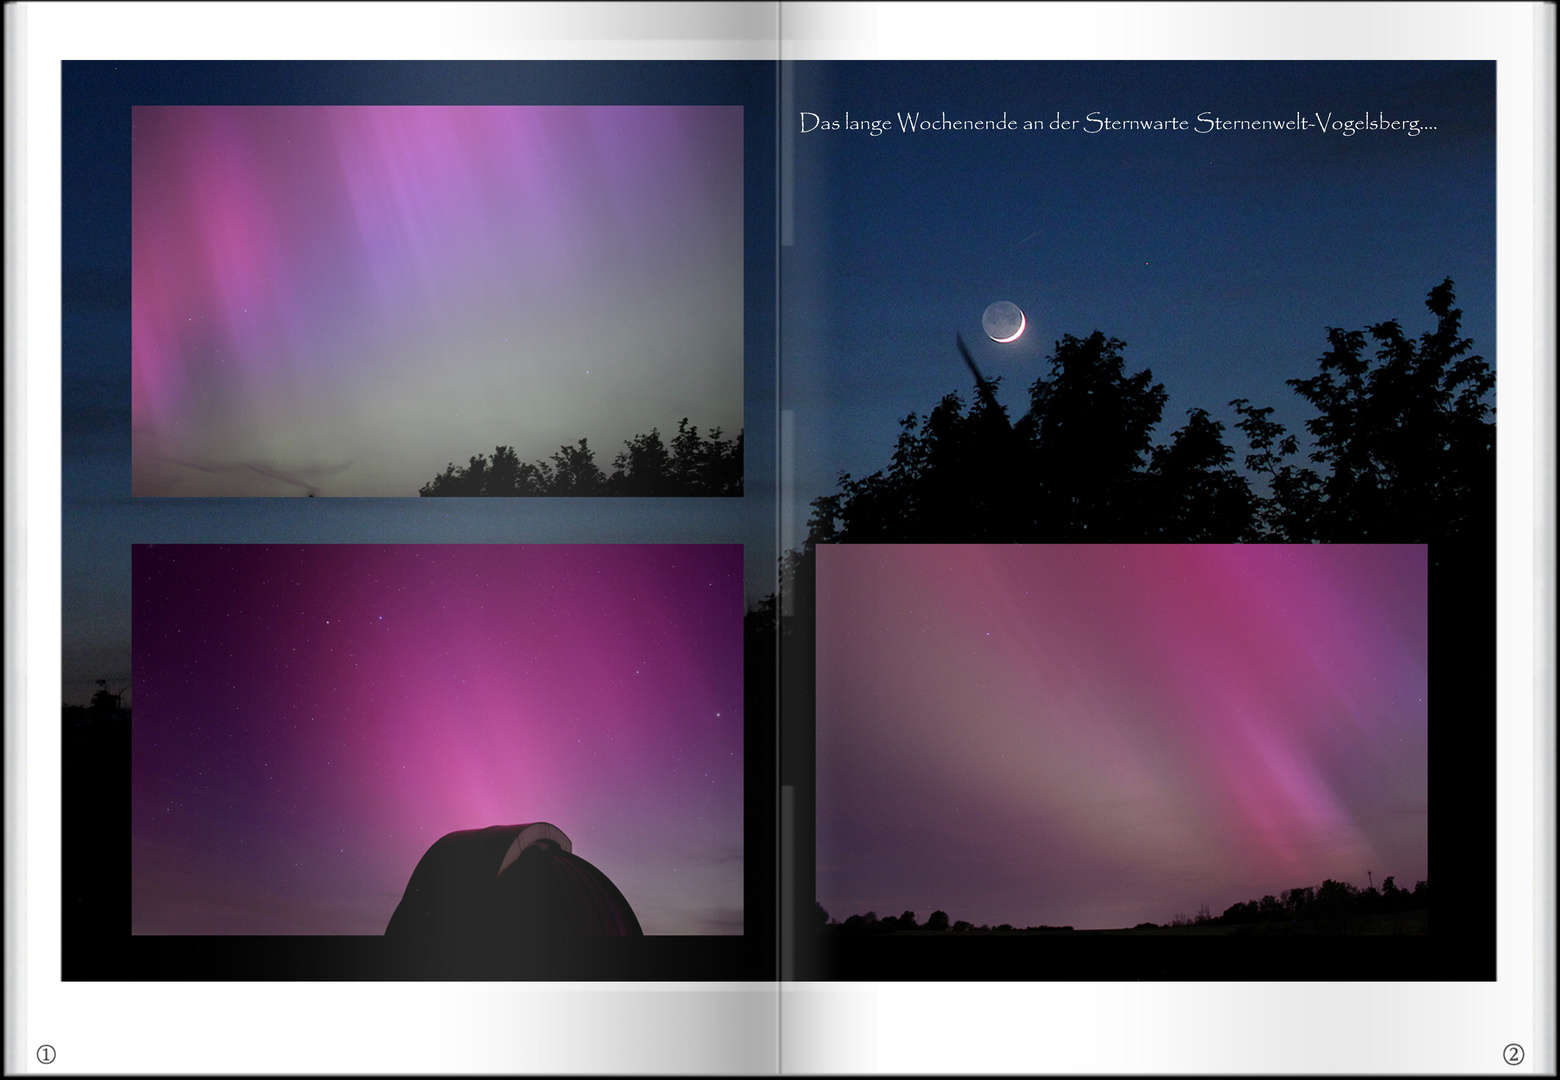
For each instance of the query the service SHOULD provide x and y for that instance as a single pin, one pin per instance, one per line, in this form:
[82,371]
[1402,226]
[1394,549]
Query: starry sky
[310,718]
[1220,257]
[1103,735]
[340,300]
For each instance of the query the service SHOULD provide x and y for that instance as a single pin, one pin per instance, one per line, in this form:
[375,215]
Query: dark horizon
[835,919]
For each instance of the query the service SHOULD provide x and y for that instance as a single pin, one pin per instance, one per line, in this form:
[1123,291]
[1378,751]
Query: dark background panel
[101,521]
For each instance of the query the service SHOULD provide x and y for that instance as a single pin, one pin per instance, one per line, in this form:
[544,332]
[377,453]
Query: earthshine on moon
[1004,321]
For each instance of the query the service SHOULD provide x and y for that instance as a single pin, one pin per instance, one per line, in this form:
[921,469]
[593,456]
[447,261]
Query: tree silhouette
[1079,465]
[1335,902]
[1407,441]
[1394,898]
[1403,444]
[105,700]
[693,466]
[1336,907]
[644,464]
[1192,495]
[1239,913]
[1093,431]
[707,467]
[1299,901]
[1295,491]
[470,479]
[576,472]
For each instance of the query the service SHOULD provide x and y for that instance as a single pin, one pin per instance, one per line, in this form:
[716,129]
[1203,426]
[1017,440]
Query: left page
[380,771]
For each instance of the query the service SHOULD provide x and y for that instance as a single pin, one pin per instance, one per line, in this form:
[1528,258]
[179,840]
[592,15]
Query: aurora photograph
[344,300]
[310,718]
[1097,736]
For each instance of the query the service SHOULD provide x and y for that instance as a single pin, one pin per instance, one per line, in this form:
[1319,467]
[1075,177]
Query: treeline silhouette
[647,466]
[1334,907]
[1327,905]
[937,922]
[1403,451]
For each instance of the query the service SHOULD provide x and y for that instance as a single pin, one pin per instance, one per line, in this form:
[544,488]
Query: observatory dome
[477,892]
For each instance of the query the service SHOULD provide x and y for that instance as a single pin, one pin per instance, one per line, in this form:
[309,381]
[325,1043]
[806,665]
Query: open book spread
[961,548]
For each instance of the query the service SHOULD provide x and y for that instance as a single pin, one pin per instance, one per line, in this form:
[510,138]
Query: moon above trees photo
[1004,322]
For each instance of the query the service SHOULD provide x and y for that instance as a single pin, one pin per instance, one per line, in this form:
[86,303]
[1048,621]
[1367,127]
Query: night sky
[1103,735]
[1220,258]
[341,300]
[310,718]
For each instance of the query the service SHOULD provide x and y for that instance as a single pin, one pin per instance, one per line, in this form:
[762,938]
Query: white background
[940,1028]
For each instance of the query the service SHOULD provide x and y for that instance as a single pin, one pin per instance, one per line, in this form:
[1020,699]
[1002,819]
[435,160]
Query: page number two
[1513,1054]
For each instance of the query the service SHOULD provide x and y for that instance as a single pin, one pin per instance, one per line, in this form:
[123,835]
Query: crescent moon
[1000,323]
[1023,321]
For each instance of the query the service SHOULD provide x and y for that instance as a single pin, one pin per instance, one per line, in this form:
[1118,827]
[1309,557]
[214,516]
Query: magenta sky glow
[1100,735]
[343,299]
[309,718]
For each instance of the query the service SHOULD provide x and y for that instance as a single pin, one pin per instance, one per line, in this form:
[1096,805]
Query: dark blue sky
[1219,257]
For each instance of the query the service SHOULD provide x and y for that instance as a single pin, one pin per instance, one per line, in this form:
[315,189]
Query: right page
[1141,598]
